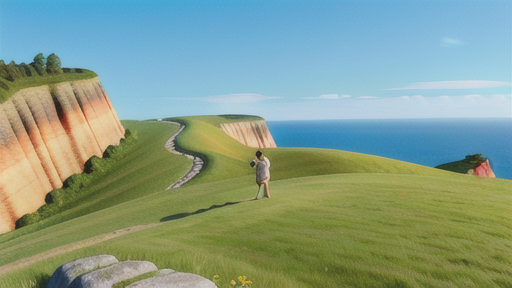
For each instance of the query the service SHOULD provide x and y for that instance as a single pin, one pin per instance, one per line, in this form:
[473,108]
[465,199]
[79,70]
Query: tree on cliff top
[39,60]
[53,64]
[39,64]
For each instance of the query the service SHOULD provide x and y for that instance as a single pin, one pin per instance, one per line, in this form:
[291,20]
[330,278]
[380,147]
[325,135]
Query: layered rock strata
[47,133]
[253,134]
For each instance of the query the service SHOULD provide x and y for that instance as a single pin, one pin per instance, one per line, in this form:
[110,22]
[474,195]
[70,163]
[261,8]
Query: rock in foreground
[105,270]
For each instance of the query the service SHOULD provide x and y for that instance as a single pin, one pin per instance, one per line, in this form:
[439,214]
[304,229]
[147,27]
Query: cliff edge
[253,134]
[47,133]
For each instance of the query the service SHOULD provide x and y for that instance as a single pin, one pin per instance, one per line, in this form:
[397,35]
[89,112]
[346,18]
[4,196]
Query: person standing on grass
[262,172]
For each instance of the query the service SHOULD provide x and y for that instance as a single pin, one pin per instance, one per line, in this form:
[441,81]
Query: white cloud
[448,41]
[501,96]
[445,100]
[408,106]
[231,98]
[328,97]
[367,97]
[464,84]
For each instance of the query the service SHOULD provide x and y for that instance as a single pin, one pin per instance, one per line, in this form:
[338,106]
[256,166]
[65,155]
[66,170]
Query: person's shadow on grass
[183,215]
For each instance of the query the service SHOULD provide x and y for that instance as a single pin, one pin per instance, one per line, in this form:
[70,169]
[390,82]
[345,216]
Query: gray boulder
[106,277]
[66,273]
[168,278]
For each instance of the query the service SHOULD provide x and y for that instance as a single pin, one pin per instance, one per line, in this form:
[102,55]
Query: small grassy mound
[335,219]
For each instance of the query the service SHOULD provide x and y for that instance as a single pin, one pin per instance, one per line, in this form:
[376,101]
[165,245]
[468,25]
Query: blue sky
[283,60]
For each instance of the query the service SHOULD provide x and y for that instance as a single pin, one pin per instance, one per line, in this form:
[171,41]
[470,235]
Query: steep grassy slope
[335,219]
[128,181]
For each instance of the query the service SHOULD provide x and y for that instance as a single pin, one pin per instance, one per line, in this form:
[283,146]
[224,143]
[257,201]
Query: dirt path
[21,263]
[24,262]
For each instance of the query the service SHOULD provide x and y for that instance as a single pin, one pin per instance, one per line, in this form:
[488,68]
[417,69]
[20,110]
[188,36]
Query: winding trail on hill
[198,162]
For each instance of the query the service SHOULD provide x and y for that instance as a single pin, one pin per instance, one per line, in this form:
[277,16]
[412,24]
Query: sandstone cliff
[47,133]
[483,170]
[250,133]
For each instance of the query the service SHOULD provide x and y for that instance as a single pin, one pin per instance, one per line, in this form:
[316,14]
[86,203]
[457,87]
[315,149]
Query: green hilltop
[335,219]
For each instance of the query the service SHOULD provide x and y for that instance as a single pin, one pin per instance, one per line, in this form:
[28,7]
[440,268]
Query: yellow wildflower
[233,282]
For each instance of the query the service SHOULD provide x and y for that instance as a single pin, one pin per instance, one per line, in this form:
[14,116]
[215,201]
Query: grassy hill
[335,219]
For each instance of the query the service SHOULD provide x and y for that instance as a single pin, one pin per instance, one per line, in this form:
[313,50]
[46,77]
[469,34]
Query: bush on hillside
[74,187]
[95,164]
[25,72]
[13,72]
[3,85]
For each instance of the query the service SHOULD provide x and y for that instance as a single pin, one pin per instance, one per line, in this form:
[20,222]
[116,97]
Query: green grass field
[335,219]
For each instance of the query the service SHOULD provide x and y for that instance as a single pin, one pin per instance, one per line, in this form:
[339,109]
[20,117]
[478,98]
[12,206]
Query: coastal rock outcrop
[484,170]
[253,134]
[47,133]
[472,164]
[106,270]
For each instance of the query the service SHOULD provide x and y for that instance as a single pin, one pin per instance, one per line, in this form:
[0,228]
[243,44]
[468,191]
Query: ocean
[428,142]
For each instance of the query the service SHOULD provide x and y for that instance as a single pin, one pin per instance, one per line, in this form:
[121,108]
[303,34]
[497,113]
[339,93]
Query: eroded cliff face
[250,133]
[47,133]
[483,170]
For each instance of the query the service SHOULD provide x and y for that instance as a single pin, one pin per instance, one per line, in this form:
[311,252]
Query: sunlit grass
[356,221]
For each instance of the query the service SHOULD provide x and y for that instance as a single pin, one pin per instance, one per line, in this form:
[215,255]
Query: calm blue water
[428,142]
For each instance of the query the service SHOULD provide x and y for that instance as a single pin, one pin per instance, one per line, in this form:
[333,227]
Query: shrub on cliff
[25,72]
[13,72]
[9,72]
[3,85]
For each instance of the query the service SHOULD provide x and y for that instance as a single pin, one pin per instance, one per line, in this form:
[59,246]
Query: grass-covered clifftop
[335,219]
[15,77]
